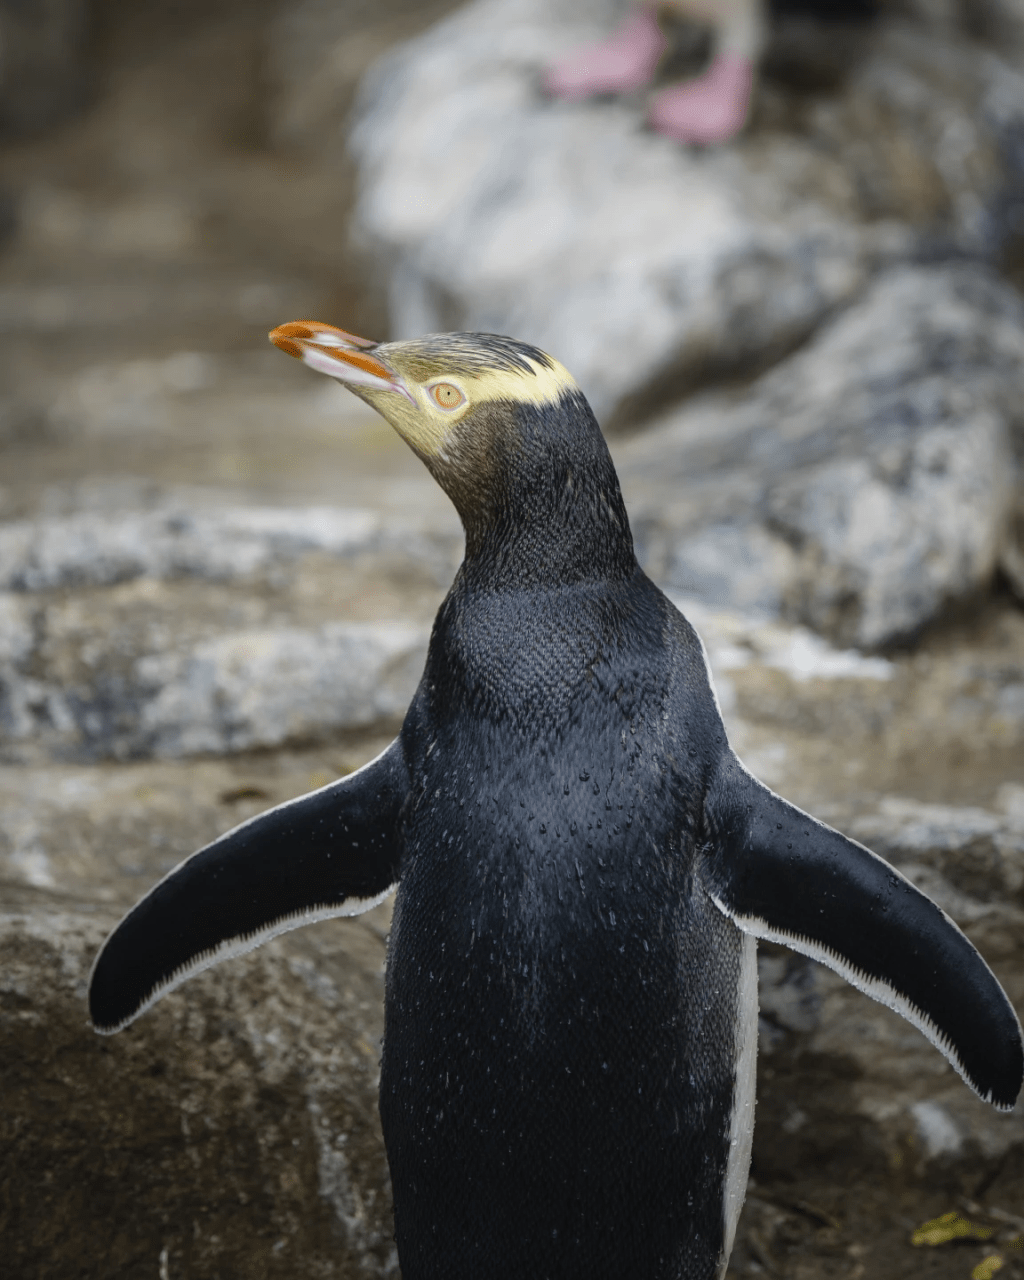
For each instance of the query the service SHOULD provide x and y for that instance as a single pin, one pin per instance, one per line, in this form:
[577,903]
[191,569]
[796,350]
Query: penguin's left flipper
[333,852]
[785,877]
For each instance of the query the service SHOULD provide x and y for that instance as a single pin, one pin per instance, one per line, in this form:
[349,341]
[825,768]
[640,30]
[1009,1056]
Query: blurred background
[217,571]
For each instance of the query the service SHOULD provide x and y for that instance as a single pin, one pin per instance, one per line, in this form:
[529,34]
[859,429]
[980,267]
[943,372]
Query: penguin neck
[550,511]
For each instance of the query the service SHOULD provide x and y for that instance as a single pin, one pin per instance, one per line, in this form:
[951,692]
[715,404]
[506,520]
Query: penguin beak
[339,354]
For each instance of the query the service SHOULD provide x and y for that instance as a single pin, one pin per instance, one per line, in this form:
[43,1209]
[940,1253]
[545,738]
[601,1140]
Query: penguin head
[451,396]
[501,425]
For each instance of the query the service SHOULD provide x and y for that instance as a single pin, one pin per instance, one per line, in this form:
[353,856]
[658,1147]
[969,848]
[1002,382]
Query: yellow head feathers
[426,386]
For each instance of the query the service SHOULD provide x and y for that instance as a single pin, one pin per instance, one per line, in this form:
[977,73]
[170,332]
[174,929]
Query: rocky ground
[216,573]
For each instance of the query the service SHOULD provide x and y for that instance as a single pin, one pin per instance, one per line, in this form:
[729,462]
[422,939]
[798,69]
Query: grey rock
[937,1130]
[234,1132]
[42,62]
[25,702]
[265,688]
[236,691]
[729,565]
[646,267]
[862,484]
[925,347]
[882,553]
[977,851]
[16,634]
[177,632]
[316,53]
[788,995]
[94,549]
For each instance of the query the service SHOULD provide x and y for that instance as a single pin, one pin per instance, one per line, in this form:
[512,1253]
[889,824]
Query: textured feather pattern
[332,852]
[558,1080]
[784,876]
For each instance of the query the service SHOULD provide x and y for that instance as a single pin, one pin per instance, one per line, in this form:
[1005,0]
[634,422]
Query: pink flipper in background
[710,109]
[624,62]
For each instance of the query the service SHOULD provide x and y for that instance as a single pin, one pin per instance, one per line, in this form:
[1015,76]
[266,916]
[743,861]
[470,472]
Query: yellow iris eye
[447,396]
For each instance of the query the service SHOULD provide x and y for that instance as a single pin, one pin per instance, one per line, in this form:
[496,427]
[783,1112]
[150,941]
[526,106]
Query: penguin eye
[447,396]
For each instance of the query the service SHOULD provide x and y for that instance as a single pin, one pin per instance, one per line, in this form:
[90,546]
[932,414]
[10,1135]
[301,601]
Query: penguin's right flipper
[785,877]
[333,852]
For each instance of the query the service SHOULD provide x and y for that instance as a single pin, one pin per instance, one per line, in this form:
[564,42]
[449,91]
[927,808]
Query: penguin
[582,869]
[712,107]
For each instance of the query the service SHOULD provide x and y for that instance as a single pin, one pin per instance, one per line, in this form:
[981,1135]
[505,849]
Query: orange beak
[338,354]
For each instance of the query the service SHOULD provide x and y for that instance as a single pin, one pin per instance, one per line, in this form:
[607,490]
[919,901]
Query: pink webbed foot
[712,108]
[624,62]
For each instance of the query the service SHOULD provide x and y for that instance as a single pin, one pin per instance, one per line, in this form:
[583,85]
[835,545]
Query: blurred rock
[176,632]
[104,697]
[999,21]
[237,691]
[645,267]
[261,689]
[977,852]
[90,549]
[42,72]
[316,53]
[881,551]
[789,996]
[939,721]
[864,483]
